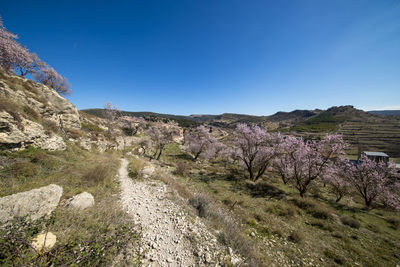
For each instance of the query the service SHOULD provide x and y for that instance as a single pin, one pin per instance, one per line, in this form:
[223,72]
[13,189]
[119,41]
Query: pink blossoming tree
[200,143]
[255,149]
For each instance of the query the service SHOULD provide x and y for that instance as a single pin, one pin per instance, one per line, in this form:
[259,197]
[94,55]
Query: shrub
[353,223]
[46,161]
[182,168]
[91,127]
[202,204]
[134,167]
[296,236]
[24,169]
[31,113]
[50,126]
[97,174]
[316,209]
[283,209]
[335,257]
[74,133]
[394,222]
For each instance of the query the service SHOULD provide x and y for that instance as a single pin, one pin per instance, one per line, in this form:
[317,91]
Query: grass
[99,235]
[274,211]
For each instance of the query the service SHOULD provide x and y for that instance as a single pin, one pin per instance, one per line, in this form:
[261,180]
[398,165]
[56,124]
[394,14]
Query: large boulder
[32,204]
[81,201]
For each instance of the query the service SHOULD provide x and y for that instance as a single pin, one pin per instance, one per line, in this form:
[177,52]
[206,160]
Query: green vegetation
[278,222]
[100,235]
[91,127]
[324,122]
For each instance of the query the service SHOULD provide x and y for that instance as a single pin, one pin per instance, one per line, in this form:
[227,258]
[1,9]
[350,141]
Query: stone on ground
[44,240]
[81,201]
[34,204]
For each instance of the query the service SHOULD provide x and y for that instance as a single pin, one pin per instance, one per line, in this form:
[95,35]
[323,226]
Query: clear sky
[211,56]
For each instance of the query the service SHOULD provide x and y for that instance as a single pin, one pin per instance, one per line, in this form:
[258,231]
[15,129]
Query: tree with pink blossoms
[336,177]
[200,143]
[309,160]
[255,149]
[15,57]
[49,77]
[375,180]
[162,134]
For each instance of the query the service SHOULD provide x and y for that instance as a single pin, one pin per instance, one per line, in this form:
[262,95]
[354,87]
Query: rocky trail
[170,236]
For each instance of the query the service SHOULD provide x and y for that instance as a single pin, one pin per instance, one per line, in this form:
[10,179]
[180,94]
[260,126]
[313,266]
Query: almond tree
[13,56]
[49,77]
[309,160]
[162,134]
[255,149]
[200,143]
[375,180]
[132,125]
[110,114]
[336,177]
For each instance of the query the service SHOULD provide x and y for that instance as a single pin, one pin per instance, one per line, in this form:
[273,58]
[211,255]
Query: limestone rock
[147,171]
[18,133]
[34,203]
[44,100]
[44,240]
[81,201]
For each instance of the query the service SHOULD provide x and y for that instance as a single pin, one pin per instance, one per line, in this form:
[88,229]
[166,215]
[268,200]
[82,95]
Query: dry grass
[134,167]
[94,236]
[230,231]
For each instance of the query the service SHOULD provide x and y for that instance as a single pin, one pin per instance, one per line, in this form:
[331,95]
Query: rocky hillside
[33,114]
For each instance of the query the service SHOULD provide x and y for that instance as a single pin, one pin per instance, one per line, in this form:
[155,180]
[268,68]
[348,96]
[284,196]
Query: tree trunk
[159,154]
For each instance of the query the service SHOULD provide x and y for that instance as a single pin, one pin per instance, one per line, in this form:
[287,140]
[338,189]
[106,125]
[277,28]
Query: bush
[74,133]
[182,169]
[46,161]
[394,222]
[296,236]
[97,174]
[316,209]
[202,204]
[50,126]
[336,258]
[24,169]
[283,209]
[353,223]
[91,127]
[31,113]
[134,167]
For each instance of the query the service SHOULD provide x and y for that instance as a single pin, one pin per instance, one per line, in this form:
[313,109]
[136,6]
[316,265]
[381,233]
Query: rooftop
[375,154]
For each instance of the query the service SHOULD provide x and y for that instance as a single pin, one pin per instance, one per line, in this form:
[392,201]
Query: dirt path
[170,237]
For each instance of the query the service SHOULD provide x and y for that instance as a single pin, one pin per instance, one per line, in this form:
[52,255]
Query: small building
[376,156]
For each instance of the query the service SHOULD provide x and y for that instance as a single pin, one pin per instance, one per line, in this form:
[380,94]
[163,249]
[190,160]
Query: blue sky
[210,56]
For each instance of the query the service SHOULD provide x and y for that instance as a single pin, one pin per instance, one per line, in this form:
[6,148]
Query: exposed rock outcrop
[33,204]
[20,132]
[25,107]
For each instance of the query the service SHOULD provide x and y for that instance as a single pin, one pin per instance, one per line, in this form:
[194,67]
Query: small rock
[81,201]
[44,240]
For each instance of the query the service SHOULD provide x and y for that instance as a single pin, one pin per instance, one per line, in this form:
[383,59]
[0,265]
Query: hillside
[361,129]
[385,112]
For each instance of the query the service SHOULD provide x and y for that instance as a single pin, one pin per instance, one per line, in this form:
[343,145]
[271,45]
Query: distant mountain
[385,112]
